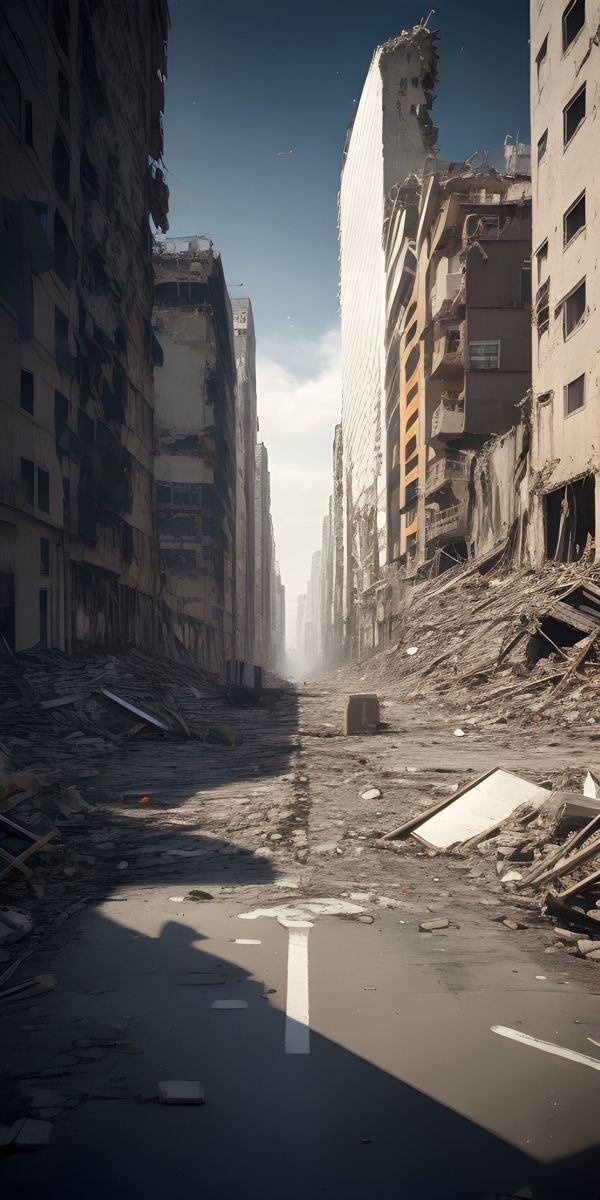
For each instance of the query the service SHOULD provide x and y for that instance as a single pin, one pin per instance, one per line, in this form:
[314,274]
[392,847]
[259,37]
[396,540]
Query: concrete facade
[391,138]
[195,462]
[78,548]
[565,117]
[245,448]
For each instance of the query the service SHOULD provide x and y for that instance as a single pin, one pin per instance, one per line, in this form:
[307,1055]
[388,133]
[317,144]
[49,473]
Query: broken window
[541,257]
[542,145]
[574,219]
[27,391]
[452,341]
[44,556]
[571,523]
[43,490]
[573,115]
[484,356]
[574,309]
[573,20]
[574,395]
[10,93]
[27,480]
[542,307]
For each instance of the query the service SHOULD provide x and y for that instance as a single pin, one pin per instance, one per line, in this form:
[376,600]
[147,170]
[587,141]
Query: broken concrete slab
[33,1135]
[362,713]
[479,808]
[435,924]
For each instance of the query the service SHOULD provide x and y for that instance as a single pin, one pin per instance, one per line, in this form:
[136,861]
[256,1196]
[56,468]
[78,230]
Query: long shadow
[275,1126]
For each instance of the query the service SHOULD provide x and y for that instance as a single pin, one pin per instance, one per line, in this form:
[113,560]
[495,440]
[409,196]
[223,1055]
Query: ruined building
[565,447]
[245,448]
[78,552]
[195,463]
[391,138]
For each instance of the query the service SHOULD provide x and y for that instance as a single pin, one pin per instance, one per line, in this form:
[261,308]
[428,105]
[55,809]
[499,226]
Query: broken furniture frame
[18,860]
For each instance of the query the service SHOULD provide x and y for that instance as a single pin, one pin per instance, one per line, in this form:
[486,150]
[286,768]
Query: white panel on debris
[480,809]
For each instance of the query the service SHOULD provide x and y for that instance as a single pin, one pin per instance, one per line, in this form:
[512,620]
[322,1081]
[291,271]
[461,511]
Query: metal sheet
[136,712]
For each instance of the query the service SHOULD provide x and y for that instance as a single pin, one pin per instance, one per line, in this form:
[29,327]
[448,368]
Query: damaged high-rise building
[196,461]
[245,445]
[81,97]
[565,420]
[392,138]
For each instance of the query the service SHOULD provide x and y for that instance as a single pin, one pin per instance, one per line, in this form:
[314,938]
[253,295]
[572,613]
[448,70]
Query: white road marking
[248,942]
[297,1031]
[549,1047]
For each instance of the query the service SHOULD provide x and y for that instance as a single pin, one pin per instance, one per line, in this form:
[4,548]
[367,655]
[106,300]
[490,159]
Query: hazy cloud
[299,404]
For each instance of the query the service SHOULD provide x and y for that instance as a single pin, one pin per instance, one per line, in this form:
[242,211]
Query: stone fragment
[366,919]
[181,1091]
[362,713]
[371,794]
[510,923]
[585,945]
[434,924]
[594,955]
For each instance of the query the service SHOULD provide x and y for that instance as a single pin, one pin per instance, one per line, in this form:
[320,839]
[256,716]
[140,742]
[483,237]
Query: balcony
[448,356]
[448,420]
[448,522]
[442,471]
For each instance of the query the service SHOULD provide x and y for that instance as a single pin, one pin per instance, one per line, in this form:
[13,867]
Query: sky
[247,83]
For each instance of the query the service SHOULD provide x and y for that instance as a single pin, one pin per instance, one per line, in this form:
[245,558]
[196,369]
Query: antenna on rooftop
[424,23]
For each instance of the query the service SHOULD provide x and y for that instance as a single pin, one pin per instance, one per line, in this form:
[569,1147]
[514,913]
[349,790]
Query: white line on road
[297,1032]
[248,942]
[549,1047]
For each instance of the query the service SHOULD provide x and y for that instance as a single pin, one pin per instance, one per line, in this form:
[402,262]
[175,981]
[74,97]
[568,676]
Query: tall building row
[470,334]
[128,486]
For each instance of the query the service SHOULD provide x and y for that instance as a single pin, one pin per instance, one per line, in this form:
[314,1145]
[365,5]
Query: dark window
[64,98]
[574,309]
[575,395]
[66,487]
[526,281]
[542,307]
[43,618]
[412,361]
[163,493]
[411,312]
[27,480]
[414,391]
[29,123]
[410,466]
[484,356]
[542,260]
[27,391]
[574,219]
[61,166]
[62,24]
[61,417]
[573,21]
[542,53]
[542,145]
[573,115]
[411,420]
[44,556]
[410,448]
[43,490]
[10,93]
[411,333]
[452,341]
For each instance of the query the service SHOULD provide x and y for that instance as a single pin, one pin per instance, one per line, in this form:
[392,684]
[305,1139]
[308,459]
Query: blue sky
[246,83]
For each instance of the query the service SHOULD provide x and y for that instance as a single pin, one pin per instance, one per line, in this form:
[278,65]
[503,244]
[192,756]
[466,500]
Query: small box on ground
[362,713]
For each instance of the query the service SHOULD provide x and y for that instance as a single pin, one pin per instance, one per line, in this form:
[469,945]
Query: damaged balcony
[448,419]
[444,470]
[445,522]
[448,355]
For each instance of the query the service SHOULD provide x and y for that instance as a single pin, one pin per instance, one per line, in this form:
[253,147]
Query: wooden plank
[582,886]
[555,855]
[571,617]
[575,860]
[408,826]
[19,860]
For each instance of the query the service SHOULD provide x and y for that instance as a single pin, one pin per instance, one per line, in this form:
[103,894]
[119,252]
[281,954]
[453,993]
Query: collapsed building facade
[78,550]
[485,440]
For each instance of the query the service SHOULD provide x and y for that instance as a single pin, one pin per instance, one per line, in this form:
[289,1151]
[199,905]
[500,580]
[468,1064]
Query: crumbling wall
[498,495]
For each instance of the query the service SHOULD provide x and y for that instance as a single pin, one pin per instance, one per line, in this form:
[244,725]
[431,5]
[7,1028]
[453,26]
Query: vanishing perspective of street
[315,865]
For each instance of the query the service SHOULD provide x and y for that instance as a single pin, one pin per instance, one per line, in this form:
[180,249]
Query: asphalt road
[384,1079]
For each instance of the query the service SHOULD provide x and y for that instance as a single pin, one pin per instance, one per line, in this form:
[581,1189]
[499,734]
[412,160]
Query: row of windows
[573,305]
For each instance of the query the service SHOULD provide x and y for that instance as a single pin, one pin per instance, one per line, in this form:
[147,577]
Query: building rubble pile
[487,647]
